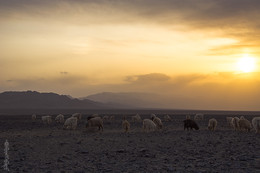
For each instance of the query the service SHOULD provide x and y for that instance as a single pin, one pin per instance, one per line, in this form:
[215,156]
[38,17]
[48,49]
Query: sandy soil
[35,147]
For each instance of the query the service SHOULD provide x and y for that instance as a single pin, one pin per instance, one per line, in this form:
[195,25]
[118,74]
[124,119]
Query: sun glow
[246,64]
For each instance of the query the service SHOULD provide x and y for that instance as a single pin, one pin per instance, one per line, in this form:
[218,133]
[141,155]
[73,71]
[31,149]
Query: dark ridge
[36,100]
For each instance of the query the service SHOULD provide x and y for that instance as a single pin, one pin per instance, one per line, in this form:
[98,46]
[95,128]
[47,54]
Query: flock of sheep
[152,124]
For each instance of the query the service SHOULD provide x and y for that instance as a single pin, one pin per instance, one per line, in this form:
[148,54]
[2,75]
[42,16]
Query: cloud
[236,19]
[233,18]
[209,13]
[147,78]
[64,73]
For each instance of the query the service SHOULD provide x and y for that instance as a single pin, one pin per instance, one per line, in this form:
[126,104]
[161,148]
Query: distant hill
[35,100]
[128,99]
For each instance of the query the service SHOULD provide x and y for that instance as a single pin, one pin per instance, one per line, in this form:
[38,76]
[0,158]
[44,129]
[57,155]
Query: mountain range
[105,100]
[36,100]
[128,99]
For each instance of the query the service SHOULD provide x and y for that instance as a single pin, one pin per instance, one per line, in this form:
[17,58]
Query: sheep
[112,117]
[136,118]
[46,119]
[148,125]
[125,125]
[256,124]
[199,117]
[212,124]
[59,118]
[244,124]
[229,119]
[157,121]
[167,118]
[153,116]
[188,117]
[105,117]
[190,124]
[234,123]
[242,118]
[95,122]
[92,116]
[71,123]
[77,115]
[33,117]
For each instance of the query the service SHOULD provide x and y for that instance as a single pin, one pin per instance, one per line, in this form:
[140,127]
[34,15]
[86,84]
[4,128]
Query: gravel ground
[35,147]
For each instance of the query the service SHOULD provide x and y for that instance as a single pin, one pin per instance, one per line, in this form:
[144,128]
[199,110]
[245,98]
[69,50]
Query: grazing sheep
[125,125]
[167,118]
[148,125]
[212,124]
[229,119]
[112,117]
[59,118]
[244,124]
[46,119]
[136,118]
[105,118]
[158,122]
[188,117]
[199,117]
[190,124]
[92,116]
[153,116]
[256,124]
[234,123]
[77,115]
[33,117]
[242,118]
[71,123]
[95,122]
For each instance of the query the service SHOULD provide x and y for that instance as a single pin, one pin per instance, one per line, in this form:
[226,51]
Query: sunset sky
[205,53]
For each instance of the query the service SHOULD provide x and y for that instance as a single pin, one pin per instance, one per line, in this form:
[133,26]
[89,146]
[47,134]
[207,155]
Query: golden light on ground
[246,64]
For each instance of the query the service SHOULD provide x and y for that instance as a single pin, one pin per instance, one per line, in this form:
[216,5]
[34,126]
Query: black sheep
[190,124]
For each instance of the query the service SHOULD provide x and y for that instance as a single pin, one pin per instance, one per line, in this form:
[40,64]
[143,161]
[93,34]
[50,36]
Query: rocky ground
[35,147]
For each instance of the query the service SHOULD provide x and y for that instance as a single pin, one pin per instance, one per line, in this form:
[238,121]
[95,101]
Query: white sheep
[229,119]
[212,124]
[136,118]
[148,125]
[234,123]
[153,116]
[71,123]
[158,122]
[242,118]
[59,118]
[92,116]
[199,117]
[125,125]
[77,115]
[244,124]
[46,119]
[95,122]
[256,124]
[167,118]
[34,117]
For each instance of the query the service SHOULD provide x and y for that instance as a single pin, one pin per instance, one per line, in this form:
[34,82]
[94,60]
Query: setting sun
[246,64]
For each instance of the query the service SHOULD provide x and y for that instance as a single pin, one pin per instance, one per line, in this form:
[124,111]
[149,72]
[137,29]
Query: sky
[203,53]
